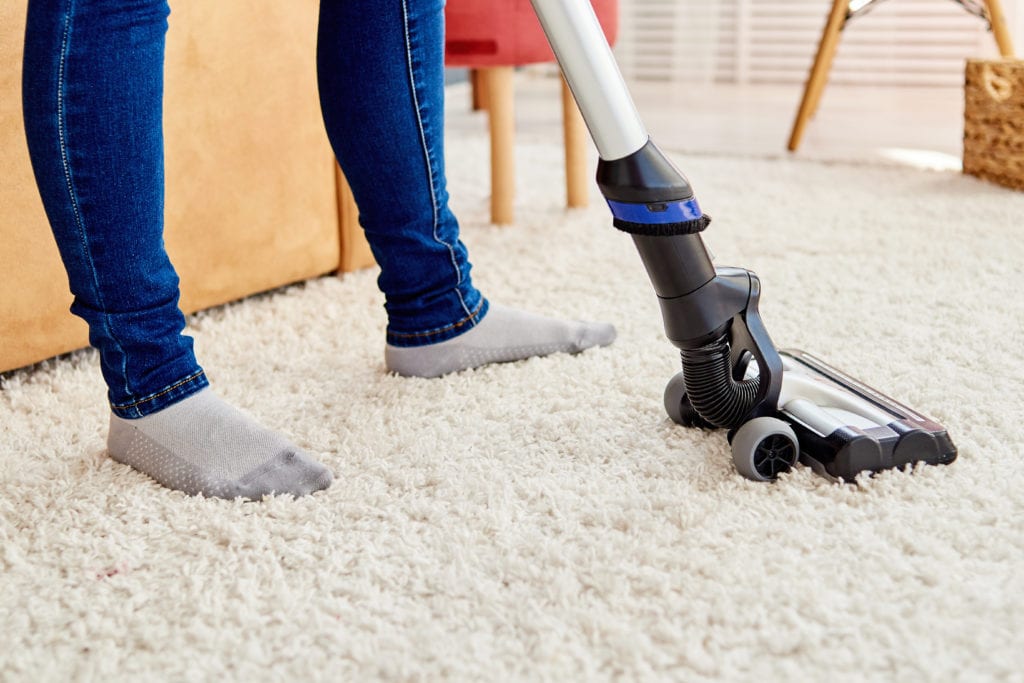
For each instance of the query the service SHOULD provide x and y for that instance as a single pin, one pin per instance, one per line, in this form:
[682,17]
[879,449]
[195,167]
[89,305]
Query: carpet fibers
[543,520]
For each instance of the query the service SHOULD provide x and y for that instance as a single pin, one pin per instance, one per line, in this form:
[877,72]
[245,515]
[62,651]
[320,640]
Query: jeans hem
[409,339]
[159,400]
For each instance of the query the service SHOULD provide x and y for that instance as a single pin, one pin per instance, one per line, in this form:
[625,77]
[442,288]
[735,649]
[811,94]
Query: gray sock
[504,334]
[204,445]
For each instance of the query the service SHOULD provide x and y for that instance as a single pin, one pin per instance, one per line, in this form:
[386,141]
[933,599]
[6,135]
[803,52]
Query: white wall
[899,42]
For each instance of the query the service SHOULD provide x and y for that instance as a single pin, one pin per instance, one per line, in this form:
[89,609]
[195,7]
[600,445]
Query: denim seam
[70,183]
[429,333]
[426,156]
[166,390]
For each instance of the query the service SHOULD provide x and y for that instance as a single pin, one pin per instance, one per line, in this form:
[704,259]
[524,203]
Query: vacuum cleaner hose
[711,389]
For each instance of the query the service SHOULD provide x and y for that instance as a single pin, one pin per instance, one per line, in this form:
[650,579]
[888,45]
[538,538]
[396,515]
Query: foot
[504,335]
[204,445]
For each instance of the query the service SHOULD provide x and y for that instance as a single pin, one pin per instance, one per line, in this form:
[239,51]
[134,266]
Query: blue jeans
[93,100]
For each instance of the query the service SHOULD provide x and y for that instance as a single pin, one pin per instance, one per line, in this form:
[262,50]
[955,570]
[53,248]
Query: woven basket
[994,121]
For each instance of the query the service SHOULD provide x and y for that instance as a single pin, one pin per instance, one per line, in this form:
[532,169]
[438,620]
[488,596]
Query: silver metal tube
[586,59]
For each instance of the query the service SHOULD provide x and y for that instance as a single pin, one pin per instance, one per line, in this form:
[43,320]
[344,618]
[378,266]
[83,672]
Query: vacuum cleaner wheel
[678,406]
[764,448]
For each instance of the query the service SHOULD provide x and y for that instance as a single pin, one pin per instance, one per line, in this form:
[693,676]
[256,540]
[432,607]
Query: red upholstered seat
[481,33]
[491,37]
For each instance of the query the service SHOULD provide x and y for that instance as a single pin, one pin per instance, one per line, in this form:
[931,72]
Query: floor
[917,126]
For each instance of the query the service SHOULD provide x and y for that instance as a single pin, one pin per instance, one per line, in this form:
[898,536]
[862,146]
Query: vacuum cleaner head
[845,427]
[778,406]
[827,420]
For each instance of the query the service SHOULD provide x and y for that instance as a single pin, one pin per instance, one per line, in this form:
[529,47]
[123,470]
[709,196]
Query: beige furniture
[254,200]
[842,11]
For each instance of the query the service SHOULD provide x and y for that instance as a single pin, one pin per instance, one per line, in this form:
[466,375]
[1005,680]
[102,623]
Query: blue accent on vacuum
[657,212]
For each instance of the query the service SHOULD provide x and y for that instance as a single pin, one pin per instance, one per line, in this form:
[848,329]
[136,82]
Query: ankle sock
[505,334]
[204,445]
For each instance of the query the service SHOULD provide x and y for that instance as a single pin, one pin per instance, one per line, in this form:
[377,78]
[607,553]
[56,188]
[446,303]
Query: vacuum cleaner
[779,407]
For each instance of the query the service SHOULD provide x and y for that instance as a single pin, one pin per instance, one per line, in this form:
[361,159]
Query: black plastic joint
[644,177]
[691,227]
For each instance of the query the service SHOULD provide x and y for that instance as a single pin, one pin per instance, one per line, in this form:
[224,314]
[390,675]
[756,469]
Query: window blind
[898,42]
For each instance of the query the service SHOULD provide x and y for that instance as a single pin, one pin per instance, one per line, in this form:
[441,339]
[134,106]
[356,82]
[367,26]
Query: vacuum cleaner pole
[586,59]
[709,314]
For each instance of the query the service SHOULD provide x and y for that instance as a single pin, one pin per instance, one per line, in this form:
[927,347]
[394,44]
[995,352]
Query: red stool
[491,37]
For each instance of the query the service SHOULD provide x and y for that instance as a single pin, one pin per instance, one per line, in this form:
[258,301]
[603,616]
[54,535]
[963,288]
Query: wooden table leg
[999,29]
[501,114]
[575,133]
[819,71]
[478,93]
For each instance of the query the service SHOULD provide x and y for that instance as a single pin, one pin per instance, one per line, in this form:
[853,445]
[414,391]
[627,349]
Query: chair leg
[819,71]
[477,91]
[999,29]
[501,115]
[575,133]
[355,251]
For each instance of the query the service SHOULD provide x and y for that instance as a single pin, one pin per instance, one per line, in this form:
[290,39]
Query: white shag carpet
[544,520]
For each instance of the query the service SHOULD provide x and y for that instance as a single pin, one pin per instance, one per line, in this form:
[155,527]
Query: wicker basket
[994,121]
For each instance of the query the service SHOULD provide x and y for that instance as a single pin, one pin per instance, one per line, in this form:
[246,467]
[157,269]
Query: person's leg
[381,75]
[92,99]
